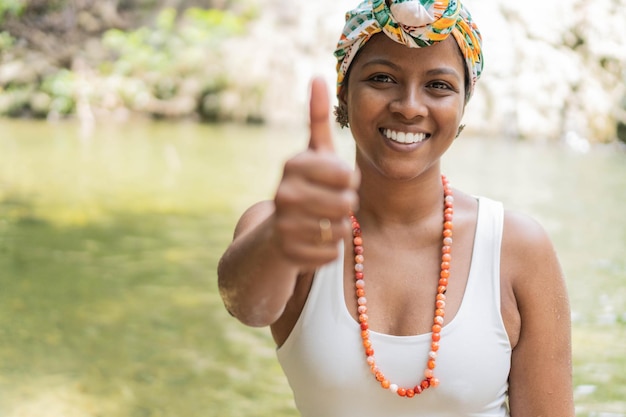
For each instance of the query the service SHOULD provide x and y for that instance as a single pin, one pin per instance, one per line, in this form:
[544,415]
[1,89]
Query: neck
[386,202]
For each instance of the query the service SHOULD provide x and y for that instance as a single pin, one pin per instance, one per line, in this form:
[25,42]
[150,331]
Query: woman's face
[404,105]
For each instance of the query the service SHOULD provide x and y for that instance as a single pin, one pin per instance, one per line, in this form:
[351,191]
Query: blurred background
[133,133]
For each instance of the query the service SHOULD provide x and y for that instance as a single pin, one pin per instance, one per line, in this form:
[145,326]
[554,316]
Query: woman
[387,292]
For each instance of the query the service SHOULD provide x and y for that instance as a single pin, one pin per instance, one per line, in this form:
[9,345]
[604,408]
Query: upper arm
[540,382]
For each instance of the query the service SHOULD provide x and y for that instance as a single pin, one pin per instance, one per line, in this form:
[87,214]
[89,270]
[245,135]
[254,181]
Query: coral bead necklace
[440,302]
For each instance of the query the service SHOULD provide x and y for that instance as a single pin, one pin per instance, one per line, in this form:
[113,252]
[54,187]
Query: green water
[109,244]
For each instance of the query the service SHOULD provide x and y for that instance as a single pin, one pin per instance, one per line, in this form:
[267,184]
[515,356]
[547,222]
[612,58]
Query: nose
[410,103]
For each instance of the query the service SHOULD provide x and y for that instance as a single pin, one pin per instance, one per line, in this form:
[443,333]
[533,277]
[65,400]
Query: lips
[404,137]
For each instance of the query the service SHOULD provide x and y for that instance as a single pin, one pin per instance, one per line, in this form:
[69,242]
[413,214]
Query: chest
[400,284]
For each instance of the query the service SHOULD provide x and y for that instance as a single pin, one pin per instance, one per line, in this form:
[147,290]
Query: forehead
[444,53]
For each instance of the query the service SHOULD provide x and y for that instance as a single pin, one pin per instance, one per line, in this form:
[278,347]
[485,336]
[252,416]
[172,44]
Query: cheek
[364,102]
[452,110]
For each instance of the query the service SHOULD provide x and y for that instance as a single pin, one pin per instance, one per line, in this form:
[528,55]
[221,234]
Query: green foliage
[174,67]
[168,46]
[11,7]
[15,100]
[214,23]
[177,50]
[6,41]
[61,87]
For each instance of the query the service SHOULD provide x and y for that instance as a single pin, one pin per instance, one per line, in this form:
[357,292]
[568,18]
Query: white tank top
[324,362]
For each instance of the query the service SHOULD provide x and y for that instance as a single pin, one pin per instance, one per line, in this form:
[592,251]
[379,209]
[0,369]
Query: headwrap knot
[414,23]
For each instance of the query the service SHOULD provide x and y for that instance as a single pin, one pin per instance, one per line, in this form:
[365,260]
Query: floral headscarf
[414,23]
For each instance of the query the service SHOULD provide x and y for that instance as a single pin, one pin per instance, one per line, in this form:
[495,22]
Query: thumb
[319,115]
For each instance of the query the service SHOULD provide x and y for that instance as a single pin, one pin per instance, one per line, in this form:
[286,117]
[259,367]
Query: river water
[109,241]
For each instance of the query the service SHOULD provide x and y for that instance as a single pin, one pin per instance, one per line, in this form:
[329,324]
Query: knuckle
[291,164]
[347,200]
[286,195]
[294,164]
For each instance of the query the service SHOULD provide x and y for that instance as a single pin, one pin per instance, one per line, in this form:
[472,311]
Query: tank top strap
[487,246]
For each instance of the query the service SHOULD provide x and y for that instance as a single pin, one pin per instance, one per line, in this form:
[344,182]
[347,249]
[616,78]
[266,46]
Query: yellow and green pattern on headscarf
[414,23]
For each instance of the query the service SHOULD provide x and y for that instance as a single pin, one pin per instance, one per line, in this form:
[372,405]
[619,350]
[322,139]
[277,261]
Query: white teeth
[404,137]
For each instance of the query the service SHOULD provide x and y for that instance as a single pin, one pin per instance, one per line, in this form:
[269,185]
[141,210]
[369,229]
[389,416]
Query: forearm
[255,278]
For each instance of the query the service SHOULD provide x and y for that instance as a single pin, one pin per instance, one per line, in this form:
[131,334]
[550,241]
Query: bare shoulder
[529,263]
[523,230]
[526,247]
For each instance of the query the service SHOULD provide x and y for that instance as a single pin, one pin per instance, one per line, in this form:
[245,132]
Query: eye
[440,85]
[381,78]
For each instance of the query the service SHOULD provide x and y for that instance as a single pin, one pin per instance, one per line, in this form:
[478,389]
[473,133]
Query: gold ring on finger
[326,231]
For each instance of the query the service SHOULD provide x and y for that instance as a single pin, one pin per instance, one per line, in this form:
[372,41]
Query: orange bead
[447,233]
[360,292]
[440,304]
[428,373]
[441,289]
[446,249]
[436,328]
[367,343]
[369,352]
[445,273]
[358,241]
[385,383]
[434,346]
[448,225]
[434,382]
[446,257]
[410,393]
[443,282]
[425,384]
[431,364]
[379,376]
[436,337]
[440,312]
[402,392]
[365,334]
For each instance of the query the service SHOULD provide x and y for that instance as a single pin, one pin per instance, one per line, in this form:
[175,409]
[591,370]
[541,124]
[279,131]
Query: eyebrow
[444,71]
[431,72]
[381,61]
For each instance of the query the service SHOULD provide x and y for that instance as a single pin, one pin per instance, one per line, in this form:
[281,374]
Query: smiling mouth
[404,137]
